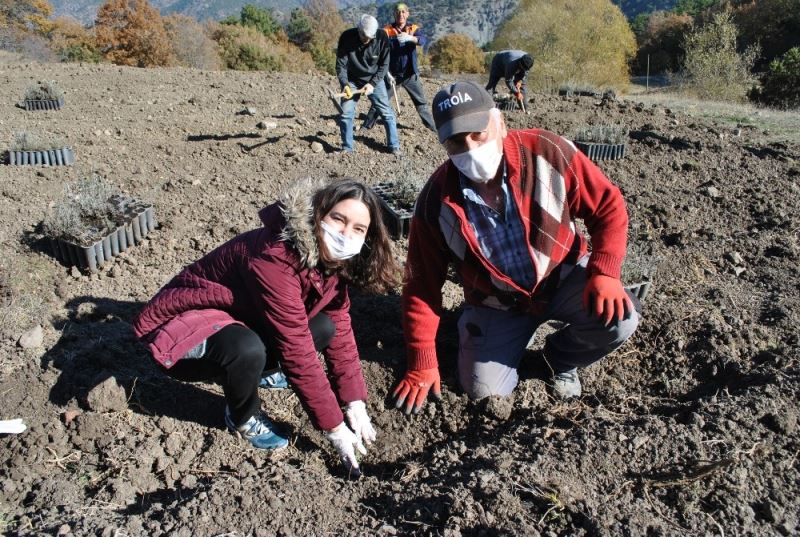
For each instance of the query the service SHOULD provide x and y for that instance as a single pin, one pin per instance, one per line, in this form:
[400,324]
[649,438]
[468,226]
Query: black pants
[235,358]
[414,88]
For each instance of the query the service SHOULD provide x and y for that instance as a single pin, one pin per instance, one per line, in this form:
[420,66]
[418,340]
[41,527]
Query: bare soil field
[689,429]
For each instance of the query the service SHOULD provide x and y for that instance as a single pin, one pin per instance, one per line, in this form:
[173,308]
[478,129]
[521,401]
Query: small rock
[75,272]
[69,415]
[108,396]
[31,339]
[316,147]
[267,125]
[712,192]
[735,258]
[639,441]
[116,272]
[249,111]
[107,132]
[737,271]
[64,529]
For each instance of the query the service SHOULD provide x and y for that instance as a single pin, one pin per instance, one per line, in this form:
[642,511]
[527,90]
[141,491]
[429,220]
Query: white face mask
[479,164]
[339,246]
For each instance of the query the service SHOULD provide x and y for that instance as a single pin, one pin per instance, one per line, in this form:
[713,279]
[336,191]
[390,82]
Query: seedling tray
[93,256]
[398,220]
[44,104]
[52,157]
[597,151]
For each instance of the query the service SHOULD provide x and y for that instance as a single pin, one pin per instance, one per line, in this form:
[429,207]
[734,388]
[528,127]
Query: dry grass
[780,125]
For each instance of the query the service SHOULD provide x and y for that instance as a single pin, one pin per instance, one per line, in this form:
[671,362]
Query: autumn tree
[586,42]
[326,25]
[713,68]
[244,48]
[72,41]
[26,15]
[131,32]
[661,42]
[191,43]
[456,53]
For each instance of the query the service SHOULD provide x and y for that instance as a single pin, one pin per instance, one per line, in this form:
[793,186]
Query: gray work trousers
[492,342]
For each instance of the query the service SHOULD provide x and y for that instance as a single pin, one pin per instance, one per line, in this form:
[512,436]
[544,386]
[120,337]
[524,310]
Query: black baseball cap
[461,107]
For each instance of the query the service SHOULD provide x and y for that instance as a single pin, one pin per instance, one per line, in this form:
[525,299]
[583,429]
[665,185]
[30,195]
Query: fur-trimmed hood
[295,204]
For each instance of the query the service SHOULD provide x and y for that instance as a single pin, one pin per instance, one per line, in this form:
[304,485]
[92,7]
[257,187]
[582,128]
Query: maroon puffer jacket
[268,280]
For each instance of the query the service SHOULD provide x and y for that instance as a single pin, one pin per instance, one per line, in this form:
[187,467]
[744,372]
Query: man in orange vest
[404,38]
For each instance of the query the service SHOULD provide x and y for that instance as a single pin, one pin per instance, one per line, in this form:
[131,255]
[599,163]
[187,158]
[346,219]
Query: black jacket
[361,64]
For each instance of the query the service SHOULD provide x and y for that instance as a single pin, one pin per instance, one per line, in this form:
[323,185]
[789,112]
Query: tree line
[721,49]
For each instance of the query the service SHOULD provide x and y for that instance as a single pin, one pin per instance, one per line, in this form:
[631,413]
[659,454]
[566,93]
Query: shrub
[28,141]
[456,53]
[300,30]
[601,134]
[246,49]
[589,41]
[324,57]
[780,85]
[85,203]
[72,42]
[191,44]
[131,32]
[713,69]
[405,189]
[26,15]
[44,90]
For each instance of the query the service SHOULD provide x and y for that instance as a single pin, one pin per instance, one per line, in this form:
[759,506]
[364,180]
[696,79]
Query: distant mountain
[477,18]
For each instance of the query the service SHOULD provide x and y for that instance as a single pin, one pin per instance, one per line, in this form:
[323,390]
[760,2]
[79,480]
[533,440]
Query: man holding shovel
[362,61]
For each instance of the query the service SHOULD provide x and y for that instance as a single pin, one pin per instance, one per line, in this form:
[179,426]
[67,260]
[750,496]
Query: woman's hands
[347,442]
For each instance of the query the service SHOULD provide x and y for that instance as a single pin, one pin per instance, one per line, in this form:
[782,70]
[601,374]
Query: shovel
[336,97]
[394,90]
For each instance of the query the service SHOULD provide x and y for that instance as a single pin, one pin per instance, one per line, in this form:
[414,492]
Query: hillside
[477,18]
[691,428]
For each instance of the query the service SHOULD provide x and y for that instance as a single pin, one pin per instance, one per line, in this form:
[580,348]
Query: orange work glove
[414,388]
[605,297]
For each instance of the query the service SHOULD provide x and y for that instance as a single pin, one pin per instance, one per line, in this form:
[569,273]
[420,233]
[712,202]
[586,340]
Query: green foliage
[324,57]
[693,7]
[780,85]
[589,41]
[299,30]
[456,53]
[44,90]
[246,49]
[661,42]
[713,69]
[259,18]
[80,52]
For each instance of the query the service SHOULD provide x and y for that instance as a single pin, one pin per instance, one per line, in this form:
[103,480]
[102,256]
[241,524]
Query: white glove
[389,78]
[404,38]
[346,444]
[368,89]
[358,420]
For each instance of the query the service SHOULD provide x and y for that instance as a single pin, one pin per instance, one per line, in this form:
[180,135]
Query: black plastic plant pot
[50,157]
[597,151]
[92,257]
[397,219]
[639,290]
[44,104]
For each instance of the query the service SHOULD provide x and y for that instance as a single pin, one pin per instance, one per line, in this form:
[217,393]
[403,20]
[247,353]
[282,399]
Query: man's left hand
[605,297]
[368,89]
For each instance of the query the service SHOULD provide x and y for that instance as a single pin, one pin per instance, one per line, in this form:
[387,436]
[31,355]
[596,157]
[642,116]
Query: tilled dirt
[689,429]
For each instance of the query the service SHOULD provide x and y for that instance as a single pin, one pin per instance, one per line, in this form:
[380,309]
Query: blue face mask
[340,247]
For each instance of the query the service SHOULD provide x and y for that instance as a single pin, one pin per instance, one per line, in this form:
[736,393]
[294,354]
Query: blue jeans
[380,100]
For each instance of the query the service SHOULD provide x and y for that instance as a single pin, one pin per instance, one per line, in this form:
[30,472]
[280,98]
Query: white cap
[368,25]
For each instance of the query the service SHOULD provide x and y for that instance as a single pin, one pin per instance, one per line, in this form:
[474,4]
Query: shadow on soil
[97,342]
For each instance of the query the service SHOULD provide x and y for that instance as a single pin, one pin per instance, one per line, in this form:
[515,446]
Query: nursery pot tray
[398,220]
[597,151]
[50,157]
[44,104]
[93,256]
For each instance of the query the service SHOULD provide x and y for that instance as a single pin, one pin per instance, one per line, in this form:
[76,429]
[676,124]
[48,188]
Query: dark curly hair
[374,269]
